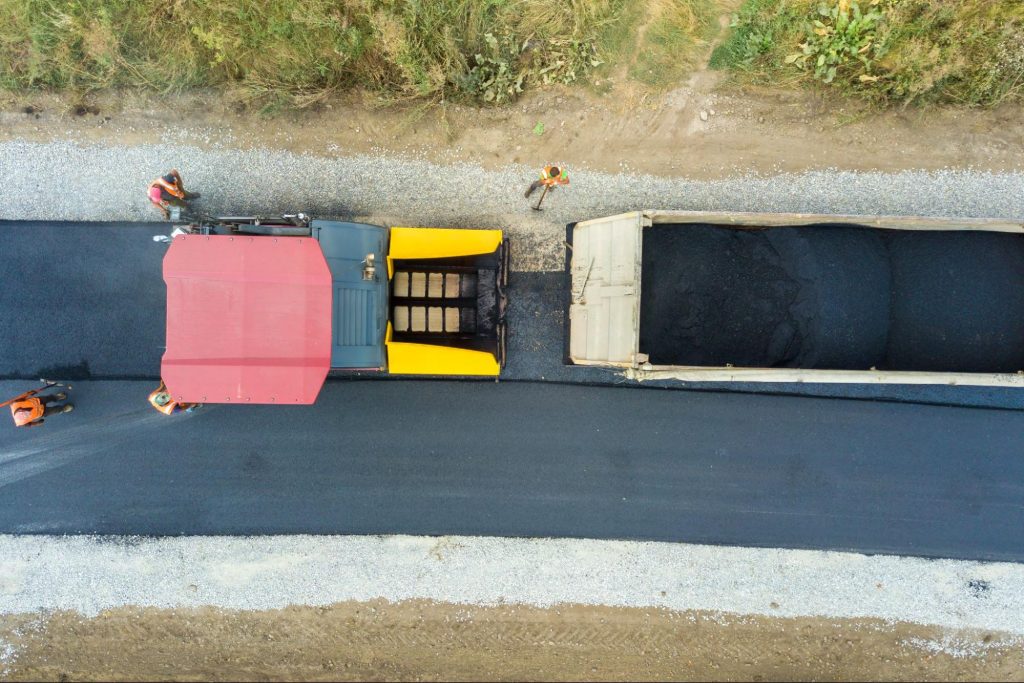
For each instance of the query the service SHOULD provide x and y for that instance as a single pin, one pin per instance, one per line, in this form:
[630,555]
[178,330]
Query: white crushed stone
[8,656]
[959,647]
[67,181]
[89,574]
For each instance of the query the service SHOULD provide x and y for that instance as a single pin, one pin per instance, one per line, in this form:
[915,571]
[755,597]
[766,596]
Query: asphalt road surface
[510,458]
[528,459]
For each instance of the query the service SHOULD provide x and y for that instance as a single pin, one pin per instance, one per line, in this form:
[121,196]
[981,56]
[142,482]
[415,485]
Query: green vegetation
[842,37]
[299,51]
[666,52]
[890,51]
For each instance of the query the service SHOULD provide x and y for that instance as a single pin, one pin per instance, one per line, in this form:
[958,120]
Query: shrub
[889,51]
[842,38]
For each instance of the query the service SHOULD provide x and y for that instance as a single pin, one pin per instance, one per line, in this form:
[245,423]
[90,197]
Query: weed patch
[889,51]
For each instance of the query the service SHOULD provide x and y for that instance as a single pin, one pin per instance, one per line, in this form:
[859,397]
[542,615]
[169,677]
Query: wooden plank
[686,373]
[741,219]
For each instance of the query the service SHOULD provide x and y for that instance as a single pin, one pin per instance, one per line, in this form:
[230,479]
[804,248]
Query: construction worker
[169,189]
[30,410]
[550,177]
[161,400]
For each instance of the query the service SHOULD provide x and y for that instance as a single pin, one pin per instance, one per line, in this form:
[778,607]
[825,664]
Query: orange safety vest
[172,188]
[34,407]
[168,407]
[171,405]
[550,180]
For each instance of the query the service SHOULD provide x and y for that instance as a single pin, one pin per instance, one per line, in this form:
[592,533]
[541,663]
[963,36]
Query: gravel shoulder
[507,609]
[703,130]
[92,574]
[398,191]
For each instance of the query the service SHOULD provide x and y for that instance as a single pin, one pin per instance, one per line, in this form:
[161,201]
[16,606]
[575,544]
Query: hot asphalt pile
[832,297]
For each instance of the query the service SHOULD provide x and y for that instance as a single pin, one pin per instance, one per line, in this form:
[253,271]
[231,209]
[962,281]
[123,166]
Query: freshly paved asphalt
[512,458]
[529,459]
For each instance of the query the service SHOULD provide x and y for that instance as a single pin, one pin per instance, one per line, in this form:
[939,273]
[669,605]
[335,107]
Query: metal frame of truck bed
[604,261]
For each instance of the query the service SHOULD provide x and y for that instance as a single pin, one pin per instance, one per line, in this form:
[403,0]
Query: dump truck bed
[768,297]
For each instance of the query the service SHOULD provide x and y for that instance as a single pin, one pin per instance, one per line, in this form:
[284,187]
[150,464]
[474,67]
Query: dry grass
[672,41]
[298,50]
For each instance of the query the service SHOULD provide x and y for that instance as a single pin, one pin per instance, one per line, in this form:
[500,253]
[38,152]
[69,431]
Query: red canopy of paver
[248,319]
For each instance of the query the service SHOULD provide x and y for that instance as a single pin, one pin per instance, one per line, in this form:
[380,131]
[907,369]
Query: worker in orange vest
[30,410]
[550,177]
[169,189]
[162,400]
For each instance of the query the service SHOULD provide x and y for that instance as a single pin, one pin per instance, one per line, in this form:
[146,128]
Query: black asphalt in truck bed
[833,297]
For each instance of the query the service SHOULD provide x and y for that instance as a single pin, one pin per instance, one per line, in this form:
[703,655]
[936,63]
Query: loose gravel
[67,181]
[90,574]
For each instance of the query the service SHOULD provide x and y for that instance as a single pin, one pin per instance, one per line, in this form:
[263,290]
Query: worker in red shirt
[169,189]
[30,410]
[550,177]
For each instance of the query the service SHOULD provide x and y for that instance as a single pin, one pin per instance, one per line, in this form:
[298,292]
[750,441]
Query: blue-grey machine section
[359,305]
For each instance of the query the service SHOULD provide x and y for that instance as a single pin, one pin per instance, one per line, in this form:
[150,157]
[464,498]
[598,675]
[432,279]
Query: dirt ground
[705,127]
[429,641]
[625,128]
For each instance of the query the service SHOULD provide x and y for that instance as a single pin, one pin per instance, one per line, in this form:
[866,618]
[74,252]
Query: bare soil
[428,641]
[624,128]
[703,128]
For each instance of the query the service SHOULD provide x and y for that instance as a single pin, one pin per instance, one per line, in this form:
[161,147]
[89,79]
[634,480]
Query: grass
[294,53]
[668,50]
[300,51]
[968,52]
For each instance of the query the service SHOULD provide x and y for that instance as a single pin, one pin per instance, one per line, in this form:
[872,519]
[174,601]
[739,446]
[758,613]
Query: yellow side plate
[424,243]
[405,358]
